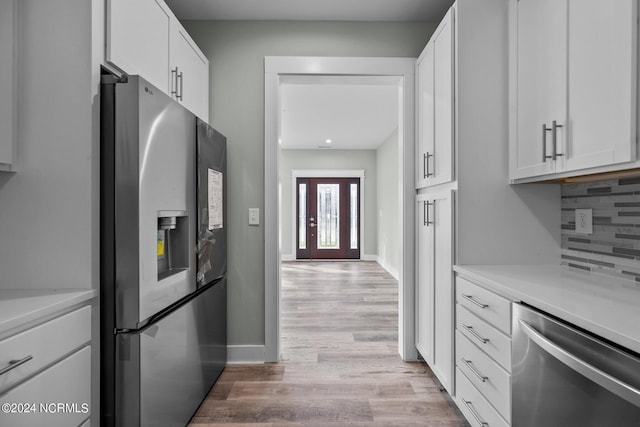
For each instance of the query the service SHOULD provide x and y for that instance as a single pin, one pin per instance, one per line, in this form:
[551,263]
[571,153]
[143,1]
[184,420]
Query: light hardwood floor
[340,363]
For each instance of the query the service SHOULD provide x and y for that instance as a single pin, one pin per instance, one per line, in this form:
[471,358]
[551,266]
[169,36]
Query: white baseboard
[368,257]
[287,257]
[392,271]
[245,354]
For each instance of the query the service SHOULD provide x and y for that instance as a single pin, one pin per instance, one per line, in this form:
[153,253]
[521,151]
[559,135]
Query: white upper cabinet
[189,72]
[573,89]
[138,37]
[145,38]
[7,86]
[435,109]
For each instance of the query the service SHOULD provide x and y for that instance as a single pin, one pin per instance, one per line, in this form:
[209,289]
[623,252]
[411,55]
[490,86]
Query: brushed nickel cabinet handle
[554,140]
[174,82]
[180,78]
[474,370]
[428,221]
[475,334]
[14,364]
[471,299]
[427,173]
[545,129]
[475,414]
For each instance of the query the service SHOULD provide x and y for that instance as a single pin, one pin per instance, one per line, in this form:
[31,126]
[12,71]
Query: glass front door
[328,218]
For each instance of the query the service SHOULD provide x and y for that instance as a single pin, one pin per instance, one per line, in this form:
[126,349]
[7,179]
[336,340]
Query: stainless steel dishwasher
[563,376]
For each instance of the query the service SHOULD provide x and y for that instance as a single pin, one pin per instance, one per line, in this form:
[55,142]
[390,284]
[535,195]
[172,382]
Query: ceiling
[312,10]
[353,112]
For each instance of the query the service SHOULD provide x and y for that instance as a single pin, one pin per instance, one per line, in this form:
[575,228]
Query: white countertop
[19,307]
[604,305]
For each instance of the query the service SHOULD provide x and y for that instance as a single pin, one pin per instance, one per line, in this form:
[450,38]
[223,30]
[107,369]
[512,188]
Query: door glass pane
[328,216]
[302,216]
[353,220]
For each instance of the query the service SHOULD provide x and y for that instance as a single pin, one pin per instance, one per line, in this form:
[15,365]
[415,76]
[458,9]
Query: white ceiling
[353,112]
[312,10]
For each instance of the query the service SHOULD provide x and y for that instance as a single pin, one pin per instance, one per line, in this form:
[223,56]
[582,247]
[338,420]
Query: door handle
[425,164]
[545,129]
[174,83]
[472,300]
[554,140]
[14,364]
[427,220]
[598,376]
[475,414]
[474,370]
[476,335]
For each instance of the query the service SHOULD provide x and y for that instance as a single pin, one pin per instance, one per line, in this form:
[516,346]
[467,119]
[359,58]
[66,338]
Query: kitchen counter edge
[605,306]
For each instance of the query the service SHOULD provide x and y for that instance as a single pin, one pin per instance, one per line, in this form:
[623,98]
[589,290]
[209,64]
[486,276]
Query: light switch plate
[584,221]
[254,216]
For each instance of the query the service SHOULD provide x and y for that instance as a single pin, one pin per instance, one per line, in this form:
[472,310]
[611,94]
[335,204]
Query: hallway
[339,364]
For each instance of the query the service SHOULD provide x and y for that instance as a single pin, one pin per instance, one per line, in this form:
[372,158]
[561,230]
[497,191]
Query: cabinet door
[189,72]
[540,87]
[602,86]
[434,284]
[7,86]
[444,296]
[424,283]
[425,115]
[443,102]
[138,39]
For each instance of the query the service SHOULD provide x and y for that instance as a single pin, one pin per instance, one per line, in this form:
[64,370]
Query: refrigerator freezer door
[166,370]
[211,184]
[154,202]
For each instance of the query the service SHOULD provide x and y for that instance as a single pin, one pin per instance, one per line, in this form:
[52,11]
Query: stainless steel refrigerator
[163,256]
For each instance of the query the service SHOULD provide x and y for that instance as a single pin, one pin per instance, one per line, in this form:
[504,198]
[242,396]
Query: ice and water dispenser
[173,243]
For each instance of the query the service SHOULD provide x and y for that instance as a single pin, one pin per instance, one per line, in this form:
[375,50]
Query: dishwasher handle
[614,385]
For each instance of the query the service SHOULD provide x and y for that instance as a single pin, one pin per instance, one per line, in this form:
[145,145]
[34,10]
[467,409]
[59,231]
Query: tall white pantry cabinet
[469,215]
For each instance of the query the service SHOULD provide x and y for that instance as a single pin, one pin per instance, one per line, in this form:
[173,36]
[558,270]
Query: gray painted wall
[330,159]
[389,183]
[236,51]
[49,219]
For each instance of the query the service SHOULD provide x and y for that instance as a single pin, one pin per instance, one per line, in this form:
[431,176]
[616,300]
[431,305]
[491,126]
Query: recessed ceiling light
[328,141]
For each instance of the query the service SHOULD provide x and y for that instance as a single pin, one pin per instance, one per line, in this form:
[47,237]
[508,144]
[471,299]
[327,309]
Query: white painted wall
[388,204]
[329,160]
[236,51]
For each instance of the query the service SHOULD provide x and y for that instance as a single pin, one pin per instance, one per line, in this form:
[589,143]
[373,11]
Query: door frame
[276,67]
[324,173]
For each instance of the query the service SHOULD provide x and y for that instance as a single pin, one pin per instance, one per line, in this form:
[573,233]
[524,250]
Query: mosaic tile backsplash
[614,246]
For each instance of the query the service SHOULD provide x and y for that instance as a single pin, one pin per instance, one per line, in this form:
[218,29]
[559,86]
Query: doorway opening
[328,218]
[400,71]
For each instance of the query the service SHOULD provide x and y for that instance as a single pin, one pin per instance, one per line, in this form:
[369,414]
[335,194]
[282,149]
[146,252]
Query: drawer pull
[475,414]
[14,364]
[470,298]
[474,370]
[475,334]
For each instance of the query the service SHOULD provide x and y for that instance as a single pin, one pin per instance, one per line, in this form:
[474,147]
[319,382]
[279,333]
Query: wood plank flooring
[340,363]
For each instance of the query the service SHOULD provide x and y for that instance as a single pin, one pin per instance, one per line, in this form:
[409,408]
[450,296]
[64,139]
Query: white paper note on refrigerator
[215,199]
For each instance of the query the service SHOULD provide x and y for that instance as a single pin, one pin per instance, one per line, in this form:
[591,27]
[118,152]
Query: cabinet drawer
[488,306]
[45,344]
[67,382]
[493,342]
[496,383]
[475,407]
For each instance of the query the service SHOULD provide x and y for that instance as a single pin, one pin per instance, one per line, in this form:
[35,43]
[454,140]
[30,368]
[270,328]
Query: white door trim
[275,68]
[323,173]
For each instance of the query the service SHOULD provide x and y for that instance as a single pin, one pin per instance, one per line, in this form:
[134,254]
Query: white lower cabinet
[45,373]
[57,397]
[483,355]
[434,284]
